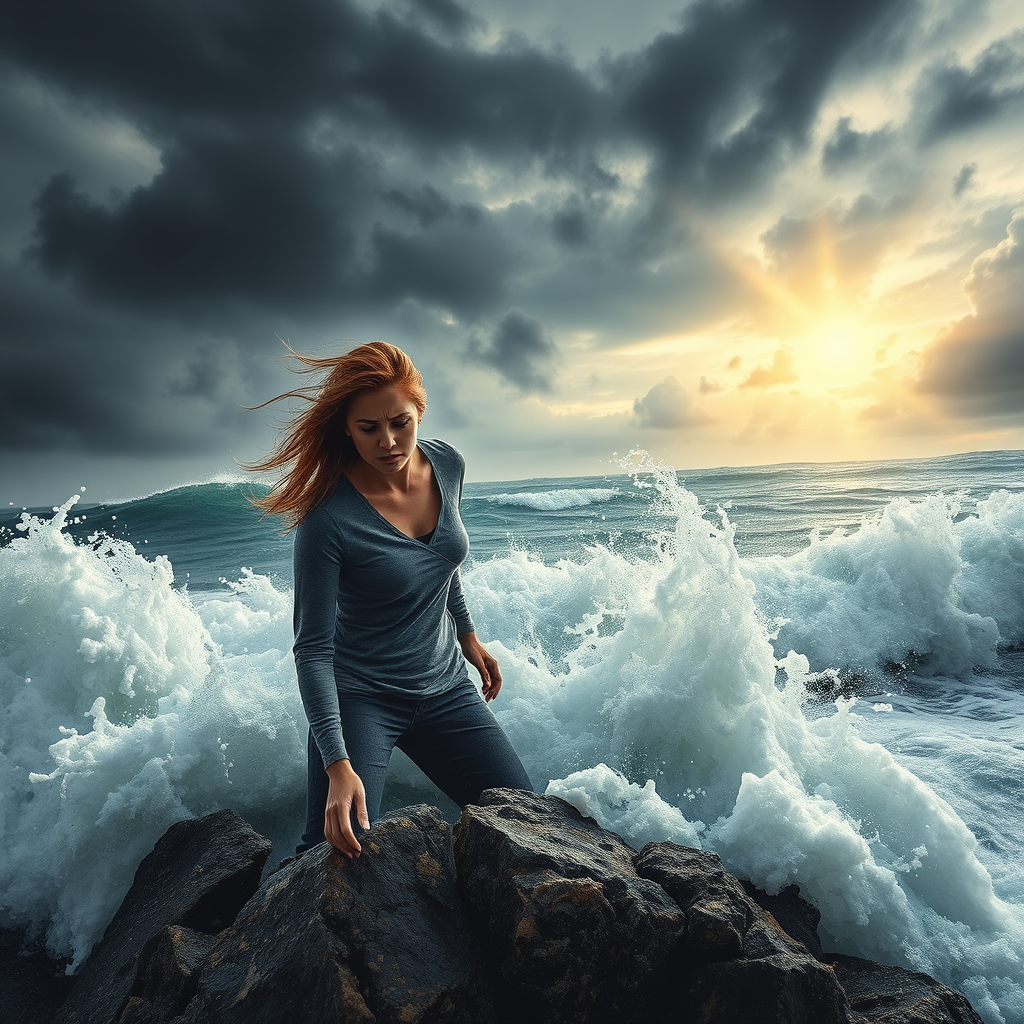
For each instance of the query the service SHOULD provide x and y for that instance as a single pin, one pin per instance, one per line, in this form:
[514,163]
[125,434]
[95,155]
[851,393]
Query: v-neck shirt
[378,611]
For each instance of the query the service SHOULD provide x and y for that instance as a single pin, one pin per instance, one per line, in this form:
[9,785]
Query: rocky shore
[525,911]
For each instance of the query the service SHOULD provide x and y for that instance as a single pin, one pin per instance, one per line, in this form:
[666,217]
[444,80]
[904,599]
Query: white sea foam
[643,690]
[122,714]
[554,501]
[912,583]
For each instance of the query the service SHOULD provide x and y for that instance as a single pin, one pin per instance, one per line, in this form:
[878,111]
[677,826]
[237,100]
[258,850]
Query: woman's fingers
[492,684]
[494,670]
[477,655]
[349,837]
[345,794]
[360,805]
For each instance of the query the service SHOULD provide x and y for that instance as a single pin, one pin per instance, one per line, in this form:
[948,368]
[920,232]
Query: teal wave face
[208,531]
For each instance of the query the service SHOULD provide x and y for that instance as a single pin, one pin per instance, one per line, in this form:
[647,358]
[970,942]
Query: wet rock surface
[891,995]
[198,876]
[738,963]
[383,937]
[577,934]
[32,985]
[526,911]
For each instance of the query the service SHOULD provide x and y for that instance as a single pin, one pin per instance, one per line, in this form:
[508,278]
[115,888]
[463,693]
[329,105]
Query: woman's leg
[458,744]
[316,797]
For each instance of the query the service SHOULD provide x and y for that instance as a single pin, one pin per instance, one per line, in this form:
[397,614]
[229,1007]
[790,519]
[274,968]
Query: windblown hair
[314,444]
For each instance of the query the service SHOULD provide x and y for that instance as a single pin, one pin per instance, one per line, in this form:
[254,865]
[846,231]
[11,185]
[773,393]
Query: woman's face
[383,426]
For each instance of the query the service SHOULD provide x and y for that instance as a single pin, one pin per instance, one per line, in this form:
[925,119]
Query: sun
[835,348]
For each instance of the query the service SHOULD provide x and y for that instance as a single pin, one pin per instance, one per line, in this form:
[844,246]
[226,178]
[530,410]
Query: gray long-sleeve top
[375,609]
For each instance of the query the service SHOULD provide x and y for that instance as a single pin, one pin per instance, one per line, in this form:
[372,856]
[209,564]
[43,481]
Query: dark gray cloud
[521,351]
[667,406]
[847,146]
[81,377]
[452,19]
[460,262]
[270,118]
[953,98]
[221,221]
[571,226]
[724,99]
[964,179]
[976,368]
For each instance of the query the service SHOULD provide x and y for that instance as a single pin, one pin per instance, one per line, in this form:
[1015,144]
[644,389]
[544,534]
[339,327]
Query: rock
[797,917]
[577,934]
[32,984]
[892,995]
[738,963]
[576,927]
[718,911]
[167,975]
[383,937]
[198,876]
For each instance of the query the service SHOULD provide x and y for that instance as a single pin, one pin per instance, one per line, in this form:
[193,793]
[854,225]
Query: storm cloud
[187,181]
[976,367]
[520,351]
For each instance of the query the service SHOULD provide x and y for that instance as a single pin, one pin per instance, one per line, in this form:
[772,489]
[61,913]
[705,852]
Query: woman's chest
[413,514]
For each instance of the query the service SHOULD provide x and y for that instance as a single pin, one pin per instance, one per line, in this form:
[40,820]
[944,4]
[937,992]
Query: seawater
[816,671]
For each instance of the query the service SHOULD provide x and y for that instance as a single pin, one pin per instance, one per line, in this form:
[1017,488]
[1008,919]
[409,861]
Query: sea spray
[898,591]
[646,679]
[680,694]
[121,714]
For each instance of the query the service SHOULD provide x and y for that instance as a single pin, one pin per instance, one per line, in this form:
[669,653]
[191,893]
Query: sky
[731,232]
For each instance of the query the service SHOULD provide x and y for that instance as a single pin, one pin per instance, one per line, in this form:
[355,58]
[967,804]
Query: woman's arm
[473,651]
[317,560]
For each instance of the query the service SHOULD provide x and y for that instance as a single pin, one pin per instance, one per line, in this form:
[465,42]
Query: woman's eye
[367,430]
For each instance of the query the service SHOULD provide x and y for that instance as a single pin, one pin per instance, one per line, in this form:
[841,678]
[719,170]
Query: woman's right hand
[345,793]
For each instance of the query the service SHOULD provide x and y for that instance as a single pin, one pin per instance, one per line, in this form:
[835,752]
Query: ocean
[814,670]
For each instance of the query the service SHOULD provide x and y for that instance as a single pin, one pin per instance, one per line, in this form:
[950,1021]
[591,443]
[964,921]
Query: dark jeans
[453,737]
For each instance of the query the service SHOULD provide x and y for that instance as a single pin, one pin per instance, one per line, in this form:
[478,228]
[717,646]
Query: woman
[382,632]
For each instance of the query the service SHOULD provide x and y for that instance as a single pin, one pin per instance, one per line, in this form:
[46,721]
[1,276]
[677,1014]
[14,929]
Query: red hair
[315,445]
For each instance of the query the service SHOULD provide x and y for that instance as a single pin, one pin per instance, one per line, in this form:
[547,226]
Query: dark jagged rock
[577,927]
[797,917]
[198,876]
[891,995]
[739,964]
[32,984]
[578,935]
[718,911]
[167,975]
[383,938]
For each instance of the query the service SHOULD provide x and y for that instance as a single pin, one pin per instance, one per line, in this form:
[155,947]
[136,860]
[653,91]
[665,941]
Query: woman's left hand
[476,654]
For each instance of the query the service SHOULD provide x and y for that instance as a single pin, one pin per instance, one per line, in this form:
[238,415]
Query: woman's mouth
[389,458]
